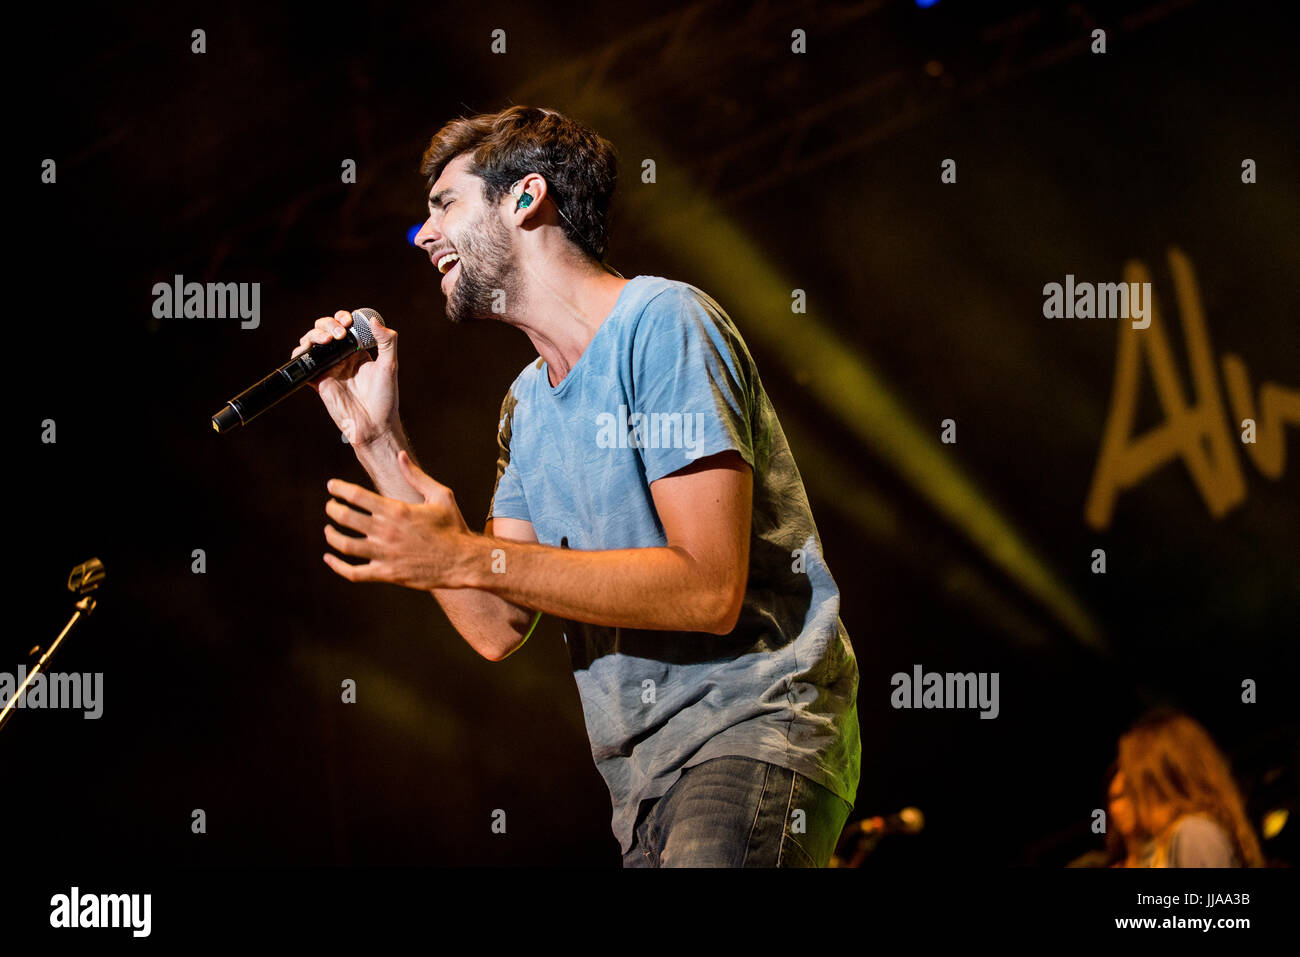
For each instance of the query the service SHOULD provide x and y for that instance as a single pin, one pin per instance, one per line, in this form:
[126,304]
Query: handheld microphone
[291,376]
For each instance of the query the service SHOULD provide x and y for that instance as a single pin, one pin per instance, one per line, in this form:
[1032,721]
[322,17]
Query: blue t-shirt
[665,380]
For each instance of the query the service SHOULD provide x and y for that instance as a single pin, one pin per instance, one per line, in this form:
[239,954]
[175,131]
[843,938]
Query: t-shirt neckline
[556,390]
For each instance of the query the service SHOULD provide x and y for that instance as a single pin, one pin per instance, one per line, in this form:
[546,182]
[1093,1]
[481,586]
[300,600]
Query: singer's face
[461,220]
[1122,814]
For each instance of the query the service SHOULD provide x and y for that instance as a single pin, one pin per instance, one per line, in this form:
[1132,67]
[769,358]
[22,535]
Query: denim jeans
[739,812]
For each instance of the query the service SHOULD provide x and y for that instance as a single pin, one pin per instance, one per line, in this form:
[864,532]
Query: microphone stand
[83,580]
[855,845]
[858,841]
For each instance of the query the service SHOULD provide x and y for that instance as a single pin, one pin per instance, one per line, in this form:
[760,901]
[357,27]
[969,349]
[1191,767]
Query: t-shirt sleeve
[1200,842]
[507,493]
[692,391]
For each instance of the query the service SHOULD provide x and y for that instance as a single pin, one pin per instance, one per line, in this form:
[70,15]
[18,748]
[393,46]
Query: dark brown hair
[580,167]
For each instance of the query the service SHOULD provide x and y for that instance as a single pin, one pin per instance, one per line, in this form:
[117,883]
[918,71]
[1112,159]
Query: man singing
[645,495]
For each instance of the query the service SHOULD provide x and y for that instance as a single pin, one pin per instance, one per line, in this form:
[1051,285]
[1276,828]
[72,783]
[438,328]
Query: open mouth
[449,269]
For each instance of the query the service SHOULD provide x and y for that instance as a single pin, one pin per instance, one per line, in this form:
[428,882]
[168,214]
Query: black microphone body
[291,376]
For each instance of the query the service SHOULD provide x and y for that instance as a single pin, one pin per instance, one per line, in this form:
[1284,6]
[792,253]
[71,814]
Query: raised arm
[696,582]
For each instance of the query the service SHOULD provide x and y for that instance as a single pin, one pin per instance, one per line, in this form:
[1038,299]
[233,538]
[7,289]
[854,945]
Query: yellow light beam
[847,385]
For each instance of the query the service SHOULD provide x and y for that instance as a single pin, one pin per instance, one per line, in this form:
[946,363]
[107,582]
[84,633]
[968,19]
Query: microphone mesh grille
[361,319]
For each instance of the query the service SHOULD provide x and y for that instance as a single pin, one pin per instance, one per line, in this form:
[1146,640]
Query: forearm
[490,625]
[379,459]
[652,588]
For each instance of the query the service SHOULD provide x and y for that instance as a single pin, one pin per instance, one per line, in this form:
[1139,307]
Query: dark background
[775,171]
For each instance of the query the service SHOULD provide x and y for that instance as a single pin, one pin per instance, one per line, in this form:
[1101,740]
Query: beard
[487,275]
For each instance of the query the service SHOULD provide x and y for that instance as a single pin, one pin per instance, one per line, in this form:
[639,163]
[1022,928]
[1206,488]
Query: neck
[562,306]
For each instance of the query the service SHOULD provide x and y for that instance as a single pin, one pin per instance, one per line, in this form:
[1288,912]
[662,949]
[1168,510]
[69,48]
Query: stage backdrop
[919,220]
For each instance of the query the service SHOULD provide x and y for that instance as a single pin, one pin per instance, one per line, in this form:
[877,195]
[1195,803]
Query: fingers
[358,496]
[385,339]
[360,547]
[353,573]
[413,471]
[326,328]
[348,544]
[350,517]
[416,476]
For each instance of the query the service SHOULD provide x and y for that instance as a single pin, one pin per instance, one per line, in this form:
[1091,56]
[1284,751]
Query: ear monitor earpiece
[524,200]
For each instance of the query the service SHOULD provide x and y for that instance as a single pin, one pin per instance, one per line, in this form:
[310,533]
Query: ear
[528,191]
